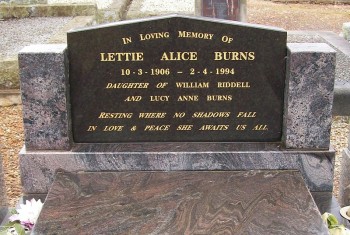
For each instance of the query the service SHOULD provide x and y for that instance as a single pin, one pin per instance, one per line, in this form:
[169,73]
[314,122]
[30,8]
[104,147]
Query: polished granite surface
[196,202]
[38,167]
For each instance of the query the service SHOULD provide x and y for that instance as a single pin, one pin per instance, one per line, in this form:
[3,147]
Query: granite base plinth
[38,167]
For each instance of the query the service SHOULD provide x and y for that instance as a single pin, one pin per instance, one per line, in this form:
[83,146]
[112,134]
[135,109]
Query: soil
[23,32]
[287,16]
[11,137]
[298,16]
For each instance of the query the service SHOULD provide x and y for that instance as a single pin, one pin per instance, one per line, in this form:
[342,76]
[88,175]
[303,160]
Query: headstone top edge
[153,18]
[310,48]
[43,48]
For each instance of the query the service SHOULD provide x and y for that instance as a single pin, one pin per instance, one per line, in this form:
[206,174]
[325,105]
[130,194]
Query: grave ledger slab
[180,203]
[177,93]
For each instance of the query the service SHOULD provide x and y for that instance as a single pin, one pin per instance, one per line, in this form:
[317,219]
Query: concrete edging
[8,11]
[9,78]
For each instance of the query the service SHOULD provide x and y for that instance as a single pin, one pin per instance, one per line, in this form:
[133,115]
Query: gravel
[18,33]
[291,16]
[339,140]
[11,141]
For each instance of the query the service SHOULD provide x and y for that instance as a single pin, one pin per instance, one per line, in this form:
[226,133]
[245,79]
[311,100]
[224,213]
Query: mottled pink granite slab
[235,202]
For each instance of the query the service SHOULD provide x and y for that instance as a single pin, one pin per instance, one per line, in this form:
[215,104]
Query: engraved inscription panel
[177,79]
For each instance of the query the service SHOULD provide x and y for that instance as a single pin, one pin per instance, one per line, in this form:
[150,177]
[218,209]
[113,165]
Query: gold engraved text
[246,114]
[187,98]
[234,55]
[260,128]
[241,127]
[150,36]
[211,115]
[113,128]
[184,128]
[92,128]
[159,98]
[193,85]
[179,115]
[133,98]
[233,85]
[131,85]
[121,56]
[157,128]
[115,115]
[174,56]
[214,127]
[152,115]
[219,97]
[187,34]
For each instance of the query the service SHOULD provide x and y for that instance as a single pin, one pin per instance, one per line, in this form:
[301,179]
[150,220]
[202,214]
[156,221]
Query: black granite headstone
[177,78]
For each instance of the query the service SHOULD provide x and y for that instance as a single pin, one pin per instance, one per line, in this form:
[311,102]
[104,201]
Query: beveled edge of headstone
[43,48]
[207,19]
[310,47]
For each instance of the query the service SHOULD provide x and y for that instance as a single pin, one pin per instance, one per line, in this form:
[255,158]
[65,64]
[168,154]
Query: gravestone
[189,97]
[194,92]
[176,93]
[222,9]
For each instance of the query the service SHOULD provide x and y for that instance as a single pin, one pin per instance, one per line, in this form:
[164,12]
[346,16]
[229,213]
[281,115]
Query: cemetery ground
[287,16]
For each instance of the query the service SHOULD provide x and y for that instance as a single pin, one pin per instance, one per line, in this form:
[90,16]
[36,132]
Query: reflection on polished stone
[235,202]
